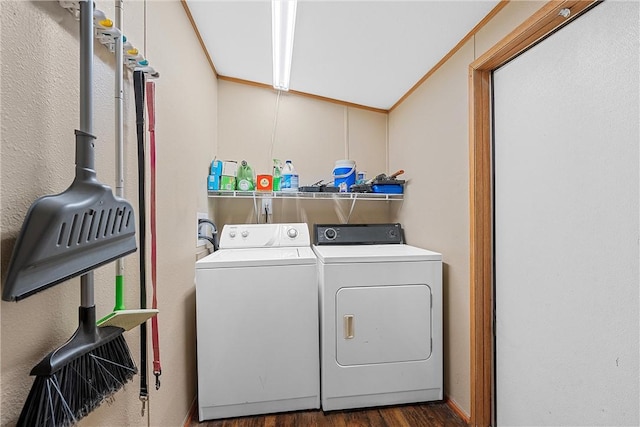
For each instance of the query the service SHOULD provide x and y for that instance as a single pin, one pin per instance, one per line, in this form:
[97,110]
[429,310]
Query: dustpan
[128,319]
[71,233]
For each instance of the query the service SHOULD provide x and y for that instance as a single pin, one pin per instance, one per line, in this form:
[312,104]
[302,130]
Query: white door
[383,324]
[566,225]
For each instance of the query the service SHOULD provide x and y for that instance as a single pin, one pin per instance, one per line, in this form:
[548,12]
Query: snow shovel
[71,233]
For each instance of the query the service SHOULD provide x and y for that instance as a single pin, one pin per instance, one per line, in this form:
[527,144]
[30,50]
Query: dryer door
[383,324]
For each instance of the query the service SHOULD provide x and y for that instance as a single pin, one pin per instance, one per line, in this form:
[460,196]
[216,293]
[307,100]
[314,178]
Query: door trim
[540,25]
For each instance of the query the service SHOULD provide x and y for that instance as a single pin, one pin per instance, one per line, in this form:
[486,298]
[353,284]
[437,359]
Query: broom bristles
[65,396]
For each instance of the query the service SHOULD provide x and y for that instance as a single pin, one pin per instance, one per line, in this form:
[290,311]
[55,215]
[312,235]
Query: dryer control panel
[357,234]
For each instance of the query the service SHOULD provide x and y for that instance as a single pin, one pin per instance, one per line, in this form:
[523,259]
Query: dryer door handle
[348,326]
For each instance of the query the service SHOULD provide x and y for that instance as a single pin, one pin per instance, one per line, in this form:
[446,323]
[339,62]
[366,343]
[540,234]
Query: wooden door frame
[540,25]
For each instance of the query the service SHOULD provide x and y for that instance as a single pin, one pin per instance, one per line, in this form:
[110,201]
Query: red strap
[151,98]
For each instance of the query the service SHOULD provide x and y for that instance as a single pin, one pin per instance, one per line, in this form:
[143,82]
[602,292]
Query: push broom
[77,377]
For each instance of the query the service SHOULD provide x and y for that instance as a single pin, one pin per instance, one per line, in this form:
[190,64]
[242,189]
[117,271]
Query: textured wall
[39,92]
[429,136]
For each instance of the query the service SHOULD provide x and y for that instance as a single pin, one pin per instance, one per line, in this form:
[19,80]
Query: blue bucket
[344,174]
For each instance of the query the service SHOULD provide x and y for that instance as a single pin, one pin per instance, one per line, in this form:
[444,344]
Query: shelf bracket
[353,205]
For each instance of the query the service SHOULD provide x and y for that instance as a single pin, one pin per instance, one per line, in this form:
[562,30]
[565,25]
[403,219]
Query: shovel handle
[119,293]
[396,174]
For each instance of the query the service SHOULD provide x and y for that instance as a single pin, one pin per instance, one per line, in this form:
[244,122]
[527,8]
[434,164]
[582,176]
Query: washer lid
[373,253]
[256,257]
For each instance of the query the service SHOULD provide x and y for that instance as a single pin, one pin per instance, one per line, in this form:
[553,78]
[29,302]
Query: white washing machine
[257,322]
[380,317]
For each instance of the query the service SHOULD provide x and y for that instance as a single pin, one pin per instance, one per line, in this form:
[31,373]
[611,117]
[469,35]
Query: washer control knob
[292,233]
[232,233]
[245,233]
[330,233]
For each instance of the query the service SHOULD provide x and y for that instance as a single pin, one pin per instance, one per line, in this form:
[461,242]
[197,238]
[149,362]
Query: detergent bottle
[277,174]
[290,177]
[246,180]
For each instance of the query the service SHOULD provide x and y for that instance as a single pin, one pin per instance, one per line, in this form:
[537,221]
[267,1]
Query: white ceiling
[363,52]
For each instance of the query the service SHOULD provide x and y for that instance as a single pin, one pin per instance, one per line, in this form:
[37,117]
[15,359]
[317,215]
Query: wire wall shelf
[303,195]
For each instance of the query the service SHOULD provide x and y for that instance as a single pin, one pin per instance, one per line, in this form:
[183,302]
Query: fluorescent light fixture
[283,24]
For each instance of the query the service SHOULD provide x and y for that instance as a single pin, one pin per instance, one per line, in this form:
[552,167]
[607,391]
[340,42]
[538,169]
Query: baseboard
[455,408]
[192,412]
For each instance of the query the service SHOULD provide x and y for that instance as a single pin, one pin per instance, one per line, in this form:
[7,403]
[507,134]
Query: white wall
[567,230]
[39,92]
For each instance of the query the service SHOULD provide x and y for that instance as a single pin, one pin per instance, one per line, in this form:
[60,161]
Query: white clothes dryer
[380,317]
[257,322]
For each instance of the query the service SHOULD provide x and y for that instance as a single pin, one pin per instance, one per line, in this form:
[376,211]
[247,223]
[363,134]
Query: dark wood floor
[420,415]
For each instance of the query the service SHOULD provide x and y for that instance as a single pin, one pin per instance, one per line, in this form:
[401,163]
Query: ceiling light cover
[283,23]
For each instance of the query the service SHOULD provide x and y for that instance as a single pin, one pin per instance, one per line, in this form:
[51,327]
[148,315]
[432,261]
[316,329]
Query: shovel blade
[66,235]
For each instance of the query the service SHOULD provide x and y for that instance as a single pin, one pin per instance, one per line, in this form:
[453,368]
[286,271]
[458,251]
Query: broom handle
[119,95]
[84,152]
[86,71]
